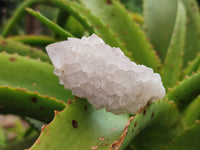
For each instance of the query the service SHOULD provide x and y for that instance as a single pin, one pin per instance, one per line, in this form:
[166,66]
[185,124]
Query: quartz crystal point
[104,75]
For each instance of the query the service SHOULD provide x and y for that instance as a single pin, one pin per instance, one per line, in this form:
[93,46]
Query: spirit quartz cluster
[104,75]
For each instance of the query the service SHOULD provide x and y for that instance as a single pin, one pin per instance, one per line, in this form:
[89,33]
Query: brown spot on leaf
[74,124]
[3,43]
[117,144]
[124,44]
[124,32]
[197,121]
[109,2]
[94,147]
[159,54]
[69,101]
[152,115]
[135,124]
[34,99]
[38,141]
[20,89]
[56,112]
[85,108]
[144,111]
[34,84]
[43,127]
[13,59]
[101,138]
[112,15]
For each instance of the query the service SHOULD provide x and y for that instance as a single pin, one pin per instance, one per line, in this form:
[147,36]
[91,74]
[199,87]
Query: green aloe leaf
[192,66]
[75,27]
[102,130]
[174,58]
[33,40]
[189,139]
[80,126]
[146,127]
[113,14]
[32,75]
[21,102]
[11,47]
[185,91]
[192,44]
[62,18]
[159,20]
[192,113]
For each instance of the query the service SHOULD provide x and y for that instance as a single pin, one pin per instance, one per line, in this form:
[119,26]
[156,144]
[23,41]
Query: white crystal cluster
[104,75]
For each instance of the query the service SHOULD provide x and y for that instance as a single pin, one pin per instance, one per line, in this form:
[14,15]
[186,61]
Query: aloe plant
[167,41]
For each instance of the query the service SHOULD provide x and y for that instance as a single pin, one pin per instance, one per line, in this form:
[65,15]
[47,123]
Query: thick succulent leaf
[11,47]
[184,92]
[192,66]
[75,27]
[159,23]
[173,61]
[61,19]
[102,130]
[138,18]
[80,126]
[134,5]
[29,104]
[116,17]
[30,74]
[192,113]
[188,140]
[33,40]
[145,129]
[192,46]
[19,145]
[68,22]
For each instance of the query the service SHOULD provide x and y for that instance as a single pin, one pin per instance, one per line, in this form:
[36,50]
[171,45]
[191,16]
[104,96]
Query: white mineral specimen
[104,75]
